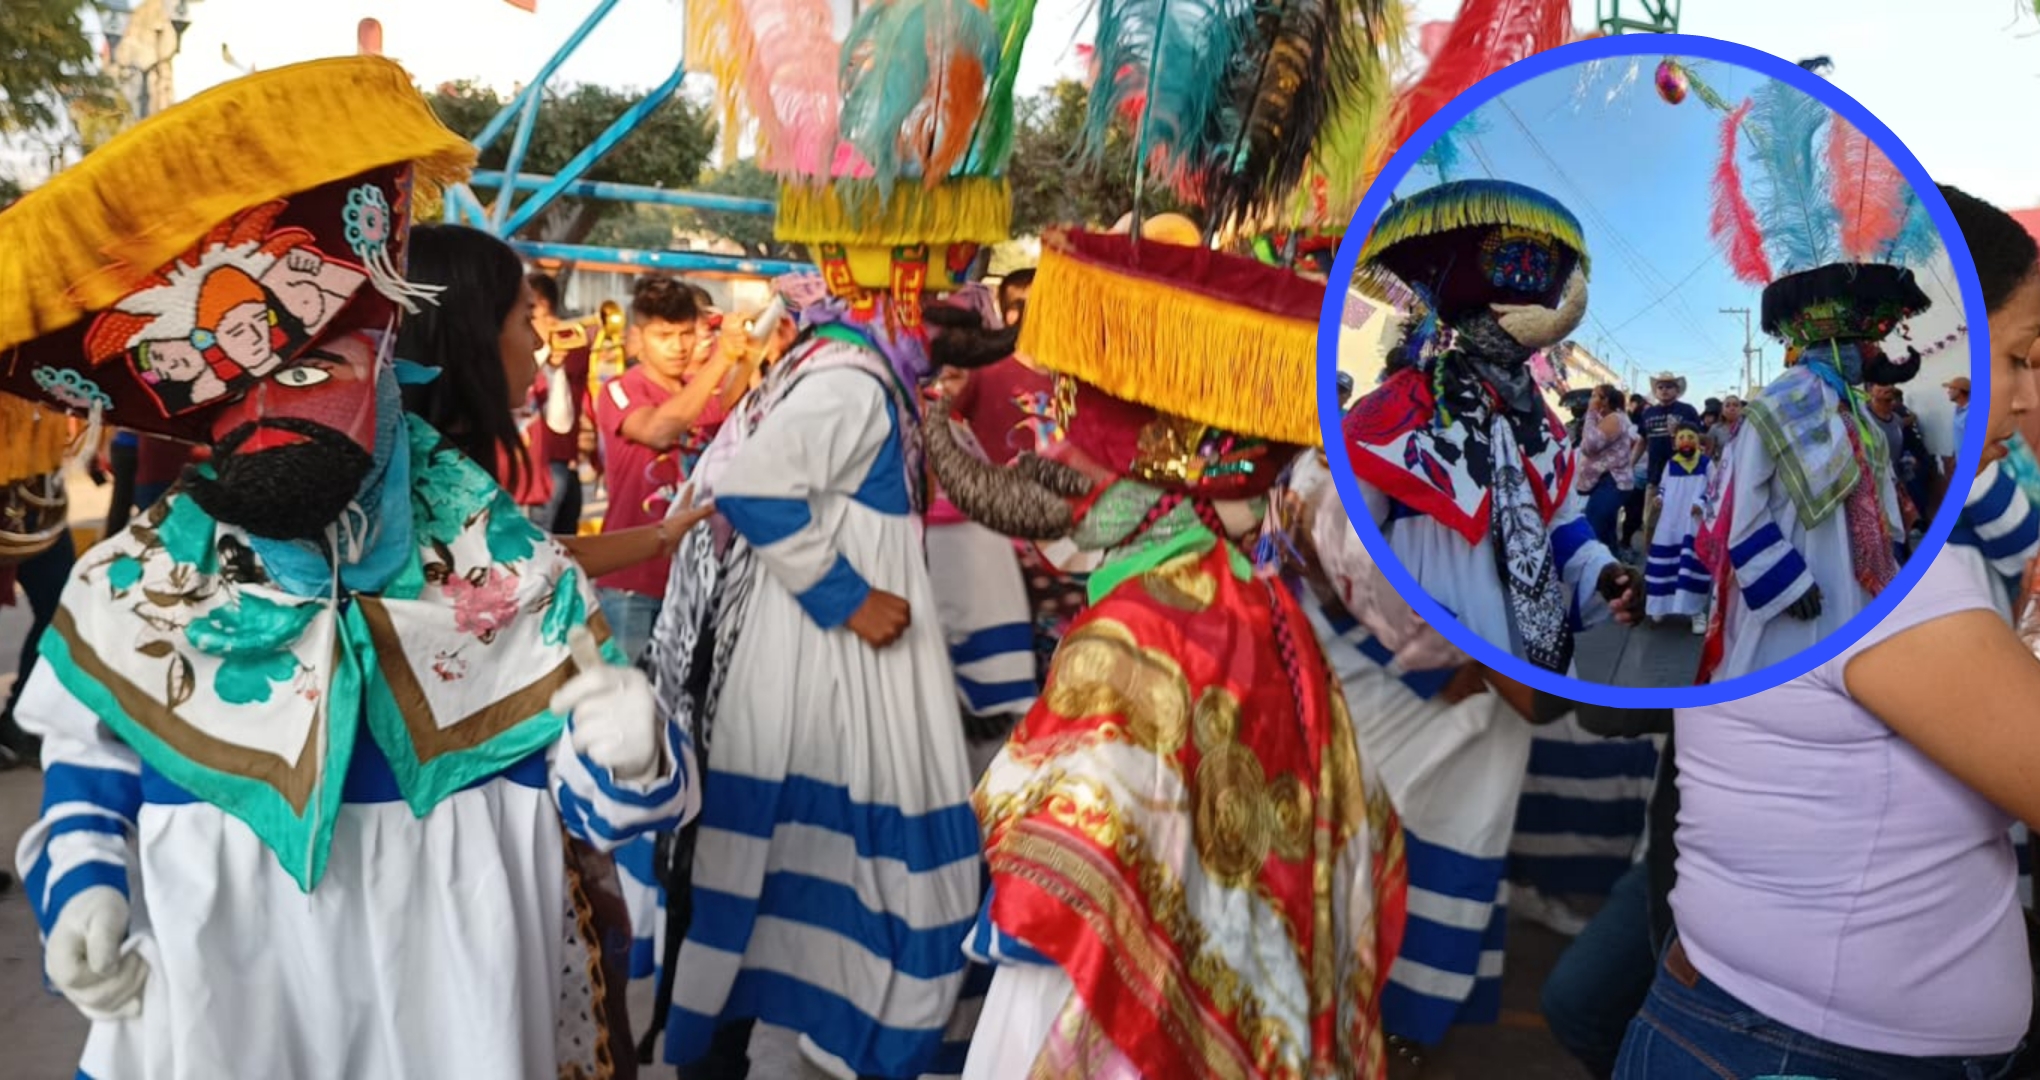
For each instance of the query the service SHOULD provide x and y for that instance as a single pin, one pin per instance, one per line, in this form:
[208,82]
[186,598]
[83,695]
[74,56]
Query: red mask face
[290,455]
[332,385]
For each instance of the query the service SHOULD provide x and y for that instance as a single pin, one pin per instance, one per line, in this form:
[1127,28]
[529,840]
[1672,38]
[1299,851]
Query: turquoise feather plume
[1164,64]
[1918,239]
[1798,220]
[914,83]
[994,140]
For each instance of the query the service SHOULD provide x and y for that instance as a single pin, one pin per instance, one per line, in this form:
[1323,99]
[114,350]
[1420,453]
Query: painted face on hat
[228,314]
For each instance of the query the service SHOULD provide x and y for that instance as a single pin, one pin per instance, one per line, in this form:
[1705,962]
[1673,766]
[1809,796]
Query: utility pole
[1749,349]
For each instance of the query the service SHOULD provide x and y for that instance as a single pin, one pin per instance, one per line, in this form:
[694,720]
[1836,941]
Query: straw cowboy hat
[1667,377]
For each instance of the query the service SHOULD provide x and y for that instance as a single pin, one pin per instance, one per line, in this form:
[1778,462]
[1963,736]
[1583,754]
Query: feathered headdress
[1226,102]
[891,147]
[1826,223]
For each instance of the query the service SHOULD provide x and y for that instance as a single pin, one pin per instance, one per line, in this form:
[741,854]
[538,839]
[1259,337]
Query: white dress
[1462,577]
[1776,558]
[838,864]
[1675,582]
[432,947]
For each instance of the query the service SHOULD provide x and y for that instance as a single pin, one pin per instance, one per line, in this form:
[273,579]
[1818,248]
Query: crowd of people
[973,679]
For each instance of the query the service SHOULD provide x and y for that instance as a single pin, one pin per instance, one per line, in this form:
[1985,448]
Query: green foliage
[48,66]
[745,180]
[1052,182]
[667,150]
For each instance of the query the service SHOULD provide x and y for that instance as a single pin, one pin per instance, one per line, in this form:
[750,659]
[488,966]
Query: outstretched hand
[1618,587]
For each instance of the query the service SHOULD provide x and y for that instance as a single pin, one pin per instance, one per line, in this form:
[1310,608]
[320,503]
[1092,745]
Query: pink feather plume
[1869,191]
[779,61]
[1734,222]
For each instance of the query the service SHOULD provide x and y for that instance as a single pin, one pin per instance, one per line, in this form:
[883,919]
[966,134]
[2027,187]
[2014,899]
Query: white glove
[84,960]
[615,722]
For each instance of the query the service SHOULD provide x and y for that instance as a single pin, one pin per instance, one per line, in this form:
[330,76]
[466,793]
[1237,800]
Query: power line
[1638,263]
[1652,306]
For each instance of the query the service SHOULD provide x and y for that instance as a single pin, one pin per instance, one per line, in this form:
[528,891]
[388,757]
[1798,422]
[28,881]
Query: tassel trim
[965,210]
[36,442]
[1468,204]
[1150,342]
[79,243]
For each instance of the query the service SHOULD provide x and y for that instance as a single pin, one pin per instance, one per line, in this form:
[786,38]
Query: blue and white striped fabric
[637,873]
[2022,845]
[1770,571]
[1582,810]
[1999,522]
[1453,771]
[92,791]
[1450,968]
[981,599]
[1672,570]
[837,869]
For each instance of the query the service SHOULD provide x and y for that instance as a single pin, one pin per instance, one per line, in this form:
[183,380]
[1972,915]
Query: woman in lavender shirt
[1847,893]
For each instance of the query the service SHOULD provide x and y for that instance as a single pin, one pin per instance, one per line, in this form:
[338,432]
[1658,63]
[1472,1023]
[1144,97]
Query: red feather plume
[1869,191]
[1488,36]
[1734,224]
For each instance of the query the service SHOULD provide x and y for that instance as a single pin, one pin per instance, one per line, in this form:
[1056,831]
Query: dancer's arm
[607,553]
[1974,716]
[825,435]
[1771,573]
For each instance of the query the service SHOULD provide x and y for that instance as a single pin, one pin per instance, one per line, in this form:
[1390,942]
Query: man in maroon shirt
[563,386]
[1007,403]
[654,420]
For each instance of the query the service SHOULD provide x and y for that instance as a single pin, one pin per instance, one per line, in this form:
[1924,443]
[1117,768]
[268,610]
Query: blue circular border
[1331,325]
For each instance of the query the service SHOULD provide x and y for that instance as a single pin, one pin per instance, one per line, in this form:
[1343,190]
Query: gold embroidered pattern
[1182,583]
[1232,818]
[1101,671]
[1289,807]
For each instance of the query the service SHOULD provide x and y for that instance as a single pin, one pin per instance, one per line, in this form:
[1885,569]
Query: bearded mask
[265,341]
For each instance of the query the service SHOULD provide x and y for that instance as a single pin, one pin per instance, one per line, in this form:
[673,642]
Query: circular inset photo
[1659,389]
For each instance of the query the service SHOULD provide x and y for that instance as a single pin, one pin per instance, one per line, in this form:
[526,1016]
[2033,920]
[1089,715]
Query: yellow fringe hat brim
[1183,352]
[95,231]
[965,210]
[37,438]
[1467,204]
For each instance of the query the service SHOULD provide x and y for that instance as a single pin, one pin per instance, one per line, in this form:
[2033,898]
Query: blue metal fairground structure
[504,216]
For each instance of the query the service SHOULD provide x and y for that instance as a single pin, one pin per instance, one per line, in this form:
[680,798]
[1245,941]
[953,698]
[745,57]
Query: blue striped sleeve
[92,792]
[603,811]
[1771,572]
[831,601]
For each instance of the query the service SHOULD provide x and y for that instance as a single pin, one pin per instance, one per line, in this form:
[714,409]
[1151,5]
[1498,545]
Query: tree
[667,150]
[49,73]
[46,59]
[754,231]
[1056,183]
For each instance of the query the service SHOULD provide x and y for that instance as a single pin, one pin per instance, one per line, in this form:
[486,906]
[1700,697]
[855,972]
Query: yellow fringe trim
[1181,352]
[82,241]
[1470,204]
[34,439]
[850,212]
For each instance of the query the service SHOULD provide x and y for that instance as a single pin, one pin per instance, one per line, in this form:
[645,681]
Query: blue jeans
[631,616]
[1604,505]
[1603,976]
[1700,1032]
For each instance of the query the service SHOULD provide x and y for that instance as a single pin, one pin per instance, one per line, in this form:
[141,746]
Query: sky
[1637,172]
[1945,77]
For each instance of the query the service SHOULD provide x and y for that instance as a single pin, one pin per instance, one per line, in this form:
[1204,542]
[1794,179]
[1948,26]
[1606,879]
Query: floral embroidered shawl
[254,699]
